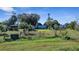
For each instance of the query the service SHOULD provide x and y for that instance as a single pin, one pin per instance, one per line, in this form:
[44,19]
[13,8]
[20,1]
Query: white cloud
[7,9]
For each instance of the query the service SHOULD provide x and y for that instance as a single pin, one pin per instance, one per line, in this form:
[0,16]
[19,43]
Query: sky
[62,14]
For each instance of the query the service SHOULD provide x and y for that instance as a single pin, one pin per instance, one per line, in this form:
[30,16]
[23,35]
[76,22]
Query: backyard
[40,30]
[45,42]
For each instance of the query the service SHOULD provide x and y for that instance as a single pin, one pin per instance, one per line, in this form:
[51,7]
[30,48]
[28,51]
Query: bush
[65,35]
[67,38]
[7,39]
[14,36]
[23,37]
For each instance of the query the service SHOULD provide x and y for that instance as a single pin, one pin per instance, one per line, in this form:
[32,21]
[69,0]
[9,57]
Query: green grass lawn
[43,43]
[55,44]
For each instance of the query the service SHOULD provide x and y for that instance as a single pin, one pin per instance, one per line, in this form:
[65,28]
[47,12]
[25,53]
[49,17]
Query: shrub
[7,39]
[67,38]
[65,35]
[14,36]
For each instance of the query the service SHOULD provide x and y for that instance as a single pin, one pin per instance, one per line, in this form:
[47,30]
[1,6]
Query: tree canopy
[12,20]
[29,18]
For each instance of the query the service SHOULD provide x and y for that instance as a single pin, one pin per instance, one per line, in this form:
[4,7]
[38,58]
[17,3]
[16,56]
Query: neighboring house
[62,26]
[40,26]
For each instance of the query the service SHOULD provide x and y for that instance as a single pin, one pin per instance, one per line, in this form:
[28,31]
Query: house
[62,26]
[40,26]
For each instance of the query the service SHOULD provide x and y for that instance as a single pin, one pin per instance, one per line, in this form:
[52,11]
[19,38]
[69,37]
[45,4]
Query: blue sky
[62,14]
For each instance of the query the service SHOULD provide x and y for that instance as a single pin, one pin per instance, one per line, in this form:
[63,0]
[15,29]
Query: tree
[29,18]
[34,19]
[55,24]
[12,20]
[23,25]
[27,21]
[24,17]
[3,28]
[56,27]
[50,23]
[66,25]
[71,25]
